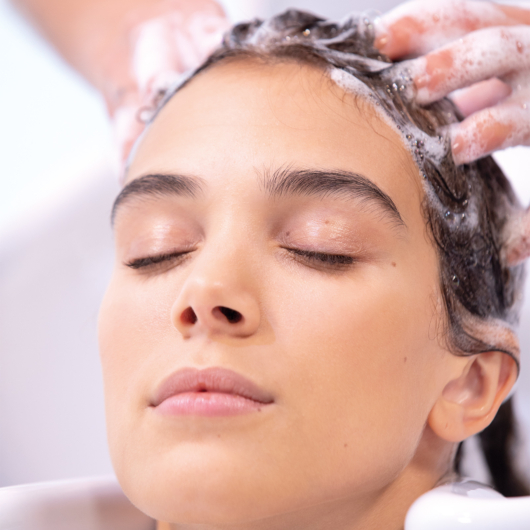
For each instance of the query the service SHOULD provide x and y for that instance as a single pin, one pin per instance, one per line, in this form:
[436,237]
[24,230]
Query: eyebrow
[324,183]
[281,183]
[158,185]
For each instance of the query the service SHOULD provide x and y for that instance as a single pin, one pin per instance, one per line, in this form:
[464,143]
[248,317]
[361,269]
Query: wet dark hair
[466,207]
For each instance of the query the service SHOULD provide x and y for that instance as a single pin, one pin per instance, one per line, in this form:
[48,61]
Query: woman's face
[270,226]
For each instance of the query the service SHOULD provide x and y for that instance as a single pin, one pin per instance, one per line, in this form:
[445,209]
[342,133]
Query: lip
[208,392]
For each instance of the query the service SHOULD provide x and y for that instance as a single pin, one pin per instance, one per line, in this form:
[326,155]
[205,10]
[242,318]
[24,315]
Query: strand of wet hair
[499,442]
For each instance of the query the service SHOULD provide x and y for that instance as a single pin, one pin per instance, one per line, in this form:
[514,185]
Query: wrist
[106,37]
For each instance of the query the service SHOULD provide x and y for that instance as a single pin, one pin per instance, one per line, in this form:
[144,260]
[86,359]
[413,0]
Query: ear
[470,400]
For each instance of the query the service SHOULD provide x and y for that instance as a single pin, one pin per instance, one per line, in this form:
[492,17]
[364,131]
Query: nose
[215,307]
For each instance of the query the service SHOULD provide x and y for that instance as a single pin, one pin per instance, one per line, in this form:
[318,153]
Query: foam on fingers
[505,125]
[418,27]
[481,95]
[484,54]
[164,47]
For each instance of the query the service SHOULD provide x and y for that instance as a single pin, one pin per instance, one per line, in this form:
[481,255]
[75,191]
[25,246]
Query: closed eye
[318,258]
[322,258]
[150,262]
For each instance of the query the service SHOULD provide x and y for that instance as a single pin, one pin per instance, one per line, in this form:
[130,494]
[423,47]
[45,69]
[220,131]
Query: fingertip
[458,157]
[383,37]
[401,35]
[381,42]
[458,146]
[465,153]
[385,43]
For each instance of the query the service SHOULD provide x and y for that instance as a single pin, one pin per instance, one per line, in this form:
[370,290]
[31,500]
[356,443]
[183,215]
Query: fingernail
[422,84]
[457,148]
[457,143]
[381,42]
[422,81]
[381,33]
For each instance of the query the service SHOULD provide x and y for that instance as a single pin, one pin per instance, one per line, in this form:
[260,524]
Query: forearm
[91,33]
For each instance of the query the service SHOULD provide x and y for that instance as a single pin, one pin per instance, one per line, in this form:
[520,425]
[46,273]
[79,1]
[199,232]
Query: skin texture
[368,402]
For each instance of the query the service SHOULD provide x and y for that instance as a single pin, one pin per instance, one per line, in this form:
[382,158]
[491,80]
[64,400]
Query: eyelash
[320,258]
[151,262]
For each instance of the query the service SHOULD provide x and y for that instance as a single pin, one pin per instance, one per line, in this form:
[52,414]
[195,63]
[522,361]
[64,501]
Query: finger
[164,48]
[207,32]
[481,55]
[178,38]
[186,55]
[517,246]
[480,96]
[153,51]
[418,27]
[505,125]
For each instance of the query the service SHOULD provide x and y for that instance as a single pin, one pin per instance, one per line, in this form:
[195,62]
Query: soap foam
[438,22]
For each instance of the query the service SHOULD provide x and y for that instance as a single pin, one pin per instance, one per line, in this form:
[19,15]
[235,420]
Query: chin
[196,489]
[180,504]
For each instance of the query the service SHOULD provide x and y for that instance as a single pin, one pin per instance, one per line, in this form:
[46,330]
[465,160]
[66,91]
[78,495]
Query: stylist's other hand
[479,49]
[156,44]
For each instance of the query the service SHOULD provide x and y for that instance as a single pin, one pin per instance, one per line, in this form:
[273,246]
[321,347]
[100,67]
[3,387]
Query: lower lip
[208,404]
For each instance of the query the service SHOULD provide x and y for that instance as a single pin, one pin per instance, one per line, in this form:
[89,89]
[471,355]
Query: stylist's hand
[479,47]
[144,56]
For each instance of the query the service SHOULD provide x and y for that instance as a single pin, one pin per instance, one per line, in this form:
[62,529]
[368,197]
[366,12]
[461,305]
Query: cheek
[134,318]
[134,325]
[350,412]
[365,353]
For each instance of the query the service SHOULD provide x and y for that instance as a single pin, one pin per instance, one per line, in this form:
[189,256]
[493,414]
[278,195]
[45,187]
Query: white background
[56,188]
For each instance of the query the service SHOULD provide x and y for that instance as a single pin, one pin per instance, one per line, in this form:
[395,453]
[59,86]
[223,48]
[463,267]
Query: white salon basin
[83,504]
[99,504]
[468,505]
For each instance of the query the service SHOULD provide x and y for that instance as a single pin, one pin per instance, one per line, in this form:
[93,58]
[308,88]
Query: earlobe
[469,401]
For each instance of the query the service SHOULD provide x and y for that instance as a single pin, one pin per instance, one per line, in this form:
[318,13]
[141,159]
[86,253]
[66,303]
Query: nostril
[188,316]
[232,316]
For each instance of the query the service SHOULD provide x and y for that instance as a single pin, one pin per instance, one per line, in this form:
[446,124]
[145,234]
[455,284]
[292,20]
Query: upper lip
[220,380]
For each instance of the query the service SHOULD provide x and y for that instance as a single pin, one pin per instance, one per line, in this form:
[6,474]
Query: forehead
[245,115]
